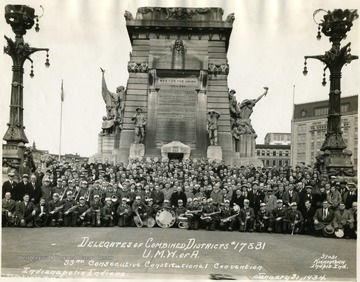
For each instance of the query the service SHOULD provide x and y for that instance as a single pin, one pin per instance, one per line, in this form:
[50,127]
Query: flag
[62,91]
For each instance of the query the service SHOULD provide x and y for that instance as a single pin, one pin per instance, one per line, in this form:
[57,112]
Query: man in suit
[22,188]
[35,191]
[279,214]
[8,209]
[25,212]
[350,196]
[290,196]
[42,213]
[343,219]
[323,217]
[308,214]
[9,185]
[179,194]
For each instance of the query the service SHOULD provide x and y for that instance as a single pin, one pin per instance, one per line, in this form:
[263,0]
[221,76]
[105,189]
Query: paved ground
[160,253]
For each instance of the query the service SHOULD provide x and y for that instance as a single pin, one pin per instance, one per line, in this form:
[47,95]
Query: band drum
[165,218]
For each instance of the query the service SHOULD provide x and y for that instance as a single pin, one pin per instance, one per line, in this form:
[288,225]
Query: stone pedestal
[108,148]
[246,146]
[214,153]
[137,151]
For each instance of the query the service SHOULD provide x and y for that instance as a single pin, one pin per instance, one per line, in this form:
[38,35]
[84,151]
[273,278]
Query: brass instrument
[63,194]
[190,213]
[82,216]
[208,215]
[182,221]
[226,219]
[56,209]
[71,209]
[137,219]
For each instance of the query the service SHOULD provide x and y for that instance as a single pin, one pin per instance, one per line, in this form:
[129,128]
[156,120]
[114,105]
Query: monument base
[137,151]
[245,145]
[107,148]
[214,153]
[338,163]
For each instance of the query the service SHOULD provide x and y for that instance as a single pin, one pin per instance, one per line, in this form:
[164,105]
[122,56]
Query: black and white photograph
[179,140]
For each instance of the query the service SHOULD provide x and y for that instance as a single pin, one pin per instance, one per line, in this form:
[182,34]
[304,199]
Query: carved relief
[142,67]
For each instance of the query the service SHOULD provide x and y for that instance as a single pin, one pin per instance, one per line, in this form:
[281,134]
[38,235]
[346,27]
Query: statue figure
[246,106]
[115,106]
[212,127]
[140,126]
[240,115]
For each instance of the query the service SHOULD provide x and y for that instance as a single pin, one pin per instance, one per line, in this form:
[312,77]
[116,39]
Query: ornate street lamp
[21,18]
[334,159]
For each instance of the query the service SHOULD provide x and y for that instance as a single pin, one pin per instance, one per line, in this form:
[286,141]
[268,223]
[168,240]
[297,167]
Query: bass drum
[165,218]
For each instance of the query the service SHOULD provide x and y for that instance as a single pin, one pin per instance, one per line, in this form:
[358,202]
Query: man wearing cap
[124,212]
[22,188]
[323,217]
[70,210]
[279,214]
[349,196]
[344,220]
[46,190]
[25,212]
[264,219]
[334,197]
[107,214]
[8,209]
[9,185]
[294,219]
[139,211]
[246,218]
[56,207]
[95,211]
[42,213]
[193,214]
[140,124]
[83,217]
[269,199]
[180,209]
[209,215]
[158,196]
[305,195]
[228,216]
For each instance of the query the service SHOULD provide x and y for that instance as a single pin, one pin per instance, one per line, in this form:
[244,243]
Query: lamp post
[334,158]
[21,18]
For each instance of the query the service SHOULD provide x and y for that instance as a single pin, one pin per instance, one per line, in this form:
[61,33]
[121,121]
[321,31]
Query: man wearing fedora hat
[22,188]
[9,184]
[140,124]
[322,218]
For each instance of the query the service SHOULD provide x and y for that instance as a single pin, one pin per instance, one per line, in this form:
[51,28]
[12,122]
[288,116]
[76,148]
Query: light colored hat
[137,198]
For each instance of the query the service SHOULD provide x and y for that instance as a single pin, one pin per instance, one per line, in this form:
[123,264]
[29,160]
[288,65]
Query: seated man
[322,218]
[95,209]
[353,226]
[107,214]
[193,214]
[70,210]
[344,220]
[56,207]
[208,216]
[124,212]
[228,216]
[8,209]
[308,214]
[83,217]
[25,212]
[139,211]
[42,213]
[294,219]
[264,219]
[279,214]
[246,218]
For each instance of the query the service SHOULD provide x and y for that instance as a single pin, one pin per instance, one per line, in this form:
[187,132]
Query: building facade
[273,155]
[276,138]
[309,124]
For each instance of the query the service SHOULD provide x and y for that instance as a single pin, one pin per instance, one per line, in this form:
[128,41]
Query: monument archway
[175,149]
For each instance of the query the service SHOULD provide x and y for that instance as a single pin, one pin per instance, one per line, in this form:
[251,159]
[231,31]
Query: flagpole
[61,107]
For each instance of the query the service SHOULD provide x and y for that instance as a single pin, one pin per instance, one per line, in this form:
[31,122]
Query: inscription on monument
[176,110]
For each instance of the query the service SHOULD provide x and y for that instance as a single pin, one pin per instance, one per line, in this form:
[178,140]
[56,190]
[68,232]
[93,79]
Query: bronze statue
[140,126]
[115,106]
[212,127]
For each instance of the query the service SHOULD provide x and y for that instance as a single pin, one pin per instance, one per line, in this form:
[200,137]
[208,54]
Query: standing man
[9,185]
[35,192]
[140,125]
[22,188]
[25,212]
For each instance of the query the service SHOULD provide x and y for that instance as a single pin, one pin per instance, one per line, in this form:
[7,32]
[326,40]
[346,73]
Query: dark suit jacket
[22,211]
[35,193]
[323,221]
[8,187]
[20,190]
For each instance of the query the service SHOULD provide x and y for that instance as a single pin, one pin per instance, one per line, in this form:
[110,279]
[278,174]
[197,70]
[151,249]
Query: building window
[280,162]
[263,153]
[267,162]
[274,153]
[303,113]
[280,153]
[344,108]
[258,152]
[274,162]
[321,111]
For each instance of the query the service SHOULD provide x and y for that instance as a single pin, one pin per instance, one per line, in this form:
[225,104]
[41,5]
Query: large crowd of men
[192,194]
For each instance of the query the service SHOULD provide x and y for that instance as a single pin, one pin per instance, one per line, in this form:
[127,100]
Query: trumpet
[71,209]
[137,219]
[57,209]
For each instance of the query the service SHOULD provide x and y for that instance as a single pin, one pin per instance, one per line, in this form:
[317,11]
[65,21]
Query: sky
[267,47]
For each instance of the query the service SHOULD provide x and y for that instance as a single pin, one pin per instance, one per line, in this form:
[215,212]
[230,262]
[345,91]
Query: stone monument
[177,71]
[178,89]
